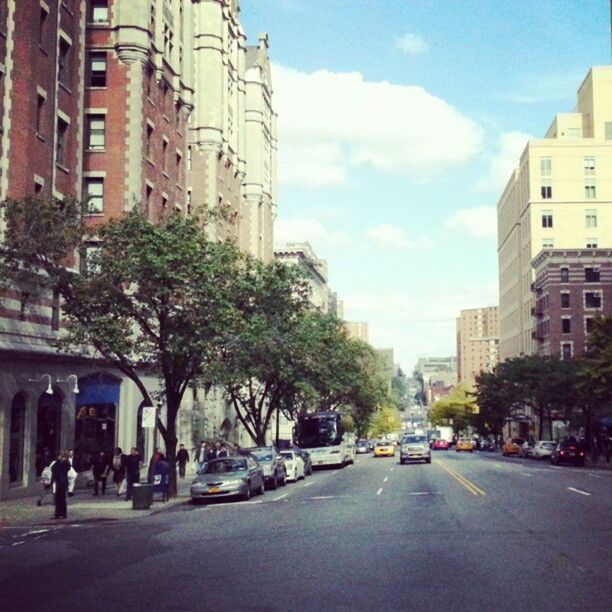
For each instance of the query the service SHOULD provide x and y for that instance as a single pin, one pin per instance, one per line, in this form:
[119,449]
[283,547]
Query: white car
[543,448]
[294,464]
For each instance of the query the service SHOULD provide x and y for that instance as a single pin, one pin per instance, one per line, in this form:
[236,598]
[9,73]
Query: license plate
[214,490]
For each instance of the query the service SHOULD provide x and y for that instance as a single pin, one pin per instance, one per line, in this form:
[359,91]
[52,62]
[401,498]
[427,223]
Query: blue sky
[399,123]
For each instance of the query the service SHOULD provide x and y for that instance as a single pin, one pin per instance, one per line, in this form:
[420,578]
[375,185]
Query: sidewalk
[85,507]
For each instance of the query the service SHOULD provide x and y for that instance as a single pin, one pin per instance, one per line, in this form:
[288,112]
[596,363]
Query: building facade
[571,287]
[559,197]
[358,330]
[477,343]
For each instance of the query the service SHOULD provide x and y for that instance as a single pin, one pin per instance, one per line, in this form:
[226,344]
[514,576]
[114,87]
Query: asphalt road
[470,531]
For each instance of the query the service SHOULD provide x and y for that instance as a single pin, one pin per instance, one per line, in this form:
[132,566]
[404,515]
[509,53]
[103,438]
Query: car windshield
[287,455]
[223,466]
[383,444]
[262,454]
[547,444]
[415,440]
[464,441]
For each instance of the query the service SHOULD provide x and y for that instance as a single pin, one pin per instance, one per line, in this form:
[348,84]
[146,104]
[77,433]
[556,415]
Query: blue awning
[98,390]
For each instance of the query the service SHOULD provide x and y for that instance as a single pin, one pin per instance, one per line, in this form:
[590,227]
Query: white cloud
[503,162]
[393,237]
[411,44]
[308,229]
[331,122]
[418,324]
[478,222]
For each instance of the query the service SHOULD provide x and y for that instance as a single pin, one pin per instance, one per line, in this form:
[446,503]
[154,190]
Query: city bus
[322,435]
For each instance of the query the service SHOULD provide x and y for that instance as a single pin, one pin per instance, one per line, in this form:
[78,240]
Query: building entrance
[48,429]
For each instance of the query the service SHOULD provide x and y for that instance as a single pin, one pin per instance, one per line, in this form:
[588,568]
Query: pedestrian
[59,478]
[132,468]
[118,465]
[154,459]
[182,457]
[202,456]
[161,479]
[219,451]
[46,479]
[72,474]
[101,468]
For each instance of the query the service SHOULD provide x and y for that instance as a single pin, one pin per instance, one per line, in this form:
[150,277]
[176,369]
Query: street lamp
[75,389]
[49,389]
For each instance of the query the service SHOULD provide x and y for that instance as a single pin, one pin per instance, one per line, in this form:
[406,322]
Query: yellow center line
[470,486]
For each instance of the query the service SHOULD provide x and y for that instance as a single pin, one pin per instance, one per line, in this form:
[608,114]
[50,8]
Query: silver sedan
[228,477]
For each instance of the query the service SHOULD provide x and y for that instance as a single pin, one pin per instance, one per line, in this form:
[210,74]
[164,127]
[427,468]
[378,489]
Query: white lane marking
[280,497]
[526,474]
[424,493]
[577,491]
[35,531]
[308,484]
[18,543]
[329,496]
[379,491]
[595,475]
[385,480]
[555,467]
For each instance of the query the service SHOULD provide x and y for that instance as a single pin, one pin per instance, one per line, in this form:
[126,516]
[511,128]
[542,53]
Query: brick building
[570,289]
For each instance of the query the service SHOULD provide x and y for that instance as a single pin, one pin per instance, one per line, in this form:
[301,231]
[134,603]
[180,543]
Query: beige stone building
[477,343]
[559,197]
[358,330]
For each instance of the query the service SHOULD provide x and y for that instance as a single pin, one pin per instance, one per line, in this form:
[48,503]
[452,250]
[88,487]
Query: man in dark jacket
[101,468]
[132,465]
[182,457]
[59,477]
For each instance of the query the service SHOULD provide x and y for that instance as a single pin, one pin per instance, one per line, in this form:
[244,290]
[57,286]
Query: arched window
[18,408]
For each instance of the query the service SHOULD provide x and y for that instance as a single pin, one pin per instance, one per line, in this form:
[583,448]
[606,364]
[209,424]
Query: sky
[400,122]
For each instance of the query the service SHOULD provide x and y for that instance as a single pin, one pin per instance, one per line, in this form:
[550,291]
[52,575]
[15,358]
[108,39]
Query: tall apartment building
[559,197]
[232,133]
[358,330]
[477,343]
[442,369]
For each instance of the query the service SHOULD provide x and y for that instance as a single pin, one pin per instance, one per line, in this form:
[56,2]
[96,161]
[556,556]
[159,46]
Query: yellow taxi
[512,446]
[384,449]
[464,444]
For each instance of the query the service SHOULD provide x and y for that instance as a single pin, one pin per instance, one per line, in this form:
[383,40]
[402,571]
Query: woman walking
[118,469]
[60,471]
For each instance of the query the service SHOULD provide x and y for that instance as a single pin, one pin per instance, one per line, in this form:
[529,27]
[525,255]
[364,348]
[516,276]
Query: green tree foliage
[455,409]
[385,420]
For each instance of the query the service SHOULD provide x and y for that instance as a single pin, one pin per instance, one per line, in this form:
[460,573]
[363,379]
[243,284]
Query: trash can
[142,496]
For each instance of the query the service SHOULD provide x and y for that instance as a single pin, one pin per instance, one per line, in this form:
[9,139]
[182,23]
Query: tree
[455,409]
[154,299]
[385,420]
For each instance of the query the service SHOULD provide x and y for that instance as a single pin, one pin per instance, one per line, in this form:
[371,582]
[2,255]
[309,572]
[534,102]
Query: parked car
[512,446]
[543,448]
[567,452]
[275,471]
[415,448]
[294,465]
[465,444]
[383,448]
[487,445]
[362,447]
[305,455]
[440,445]
[526,449]
[228,477]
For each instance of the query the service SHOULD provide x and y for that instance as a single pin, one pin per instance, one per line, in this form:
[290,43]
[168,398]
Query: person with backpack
[46,479]
[118,465]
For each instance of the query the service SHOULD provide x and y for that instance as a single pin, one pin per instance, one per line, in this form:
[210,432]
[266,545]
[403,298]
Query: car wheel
[283,482]
[247,494]
[428,460]
[274,483]
[401,462]
[262,488]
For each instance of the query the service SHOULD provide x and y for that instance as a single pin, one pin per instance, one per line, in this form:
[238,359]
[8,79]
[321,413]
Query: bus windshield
[316,430]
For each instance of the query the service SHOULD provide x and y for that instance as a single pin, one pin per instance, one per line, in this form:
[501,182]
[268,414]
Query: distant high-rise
[558,198]
[358,330]
[477,343]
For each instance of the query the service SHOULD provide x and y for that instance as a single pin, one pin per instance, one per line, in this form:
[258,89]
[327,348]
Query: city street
[468,531]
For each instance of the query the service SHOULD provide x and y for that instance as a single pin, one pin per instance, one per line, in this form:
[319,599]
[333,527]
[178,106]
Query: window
[93,192]
[189,160]
[591,218]
[60,143]
[150,75]
[547,218]
[99,11]
[165,155]
[548,243]
[90,261]
[589,166]
[96,125]
[591,275]
[164,202]
[546,190]
[189,204]
[150,130]
[38,187]
[545,166]
[566,325]
[97,70]
[589,190]
[565,300]
[148,196]
[40,105]
[42,26]
[566,350]
[63,62]
[592,299]
[591,243]
[23,305]
[565,275]
[55,310]
[588,324]
[179,159]
[573,132]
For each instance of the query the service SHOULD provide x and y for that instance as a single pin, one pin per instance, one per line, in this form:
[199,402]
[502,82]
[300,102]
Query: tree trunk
[170,440]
